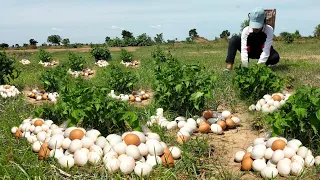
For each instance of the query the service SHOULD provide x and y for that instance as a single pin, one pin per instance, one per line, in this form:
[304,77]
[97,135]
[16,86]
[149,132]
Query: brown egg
[82,73]
[230,123]
[205,128]
[132,139]
[276,97]
[204,122]
[43,153]
[144,96]
[38,122]
[141,97]
[132,98]
[246,164]
[7,86]
[183,139]
[207,114]
[90,72]
[44,96]
[18,133]
[35,95]
[42,91]
[167,160]
[166,151]
[134,92]
[278,144]
[248,154]
[222,124]
[76,134]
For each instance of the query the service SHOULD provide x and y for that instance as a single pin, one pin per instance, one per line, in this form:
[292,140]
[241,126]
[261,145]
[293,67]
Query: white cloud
[116,27]
[56,29]
[155,26]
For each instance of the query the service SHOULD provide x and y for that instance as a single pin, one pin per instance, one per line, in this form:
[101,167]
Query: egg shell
[80,158]
[317,160]
[154,160]
[120,148]
[127,165]
[216,129]
[269,172]
[175,151]
[270,163]
[87,142]
[154,136]
[277,156]
[155,148]
[225,114]
[133,151]
[293,145]
[246,164]
[132,139]
[167,160]
[94,158]
[56,153]
[258,165]
[142,169]
[257,153]
[113,165]
[66,143]
[75,145]
[278,144]
[288,152]
[258,141]
[239,156]
[309,161]
[101,141]
[268,153]
[76,134]
[296,168]
[66,161]
[302,151]
[298,159]
[110,155]
[97,149]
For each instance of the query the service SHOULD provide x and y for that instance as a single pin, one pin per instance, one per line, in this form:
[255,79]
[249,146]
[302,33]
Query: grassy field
[205,157]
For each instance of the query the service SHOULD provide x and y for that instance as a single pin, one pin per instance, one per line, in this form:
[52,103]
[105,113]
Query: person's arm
[244,51]
[267,45]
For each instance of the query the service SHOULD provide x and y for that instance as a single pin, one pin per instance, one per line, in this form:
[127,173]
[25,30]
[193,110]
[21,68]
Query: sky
[84,21]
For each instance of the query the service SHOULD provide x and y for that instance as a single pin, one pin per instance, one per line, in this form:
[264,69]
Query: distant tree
[297,34]
[54,39]
[17,45]
[25,45]
[126,34]
[4,45]
[244,24]
[193,34]
[225,34]
[107,39]
[287,37]
[44,44]
[66,42]
[144,40]
[158,38]
[33,42]
[316,31]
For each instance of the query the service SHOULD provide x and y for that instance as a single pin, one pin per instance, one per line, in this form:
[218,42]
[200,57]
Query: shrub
[119,79]
[44,56]
[299,117]
[53,79]
[76,63]
[287,37]
[126,56]
[178,87]
[100,53]
[8,72]
[255,81]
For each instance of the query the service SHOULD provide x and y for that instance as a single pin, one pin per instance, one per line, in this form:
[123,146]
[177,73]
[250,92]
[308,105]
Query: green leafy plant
[8,72]
[101,53]
[76,62]
[119,79]
[90,107]
[126,56]
[53,79]
[255,81]
[181,87]
[45,56]
[299,117]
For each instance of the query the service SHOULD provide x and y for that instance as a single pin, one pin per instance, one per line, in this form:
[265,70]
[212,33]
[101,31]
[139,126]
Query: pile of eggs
[133,63]
[45,64]
[133,97]
[8,91]
[84,72]
[129,152]
[43,95]
[207,123]
[270,103]
[102,63]
[25,61]
[276,155]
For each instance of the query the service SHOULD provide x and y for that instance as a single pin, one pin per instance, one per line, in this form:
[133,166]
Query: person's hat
[257,17]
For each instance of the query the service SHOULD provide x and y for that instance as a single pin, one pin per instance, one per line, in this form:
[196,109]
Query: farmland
[205,156]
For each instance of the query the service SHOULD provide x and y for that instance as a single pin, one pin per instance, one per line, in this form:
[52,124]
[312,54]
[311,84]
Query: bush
[76,63]
[299,117]
[53,79]
[44,56]
[126,56]
[8,72]
[119,79]
[90,107]
[287,37]
[100,53]
[178,87]
[255,81]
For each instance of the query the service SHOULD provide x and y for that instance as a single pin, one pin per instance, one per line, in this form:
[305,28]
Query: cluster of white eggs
[42,95]
[85,72]
[25,61]
[129,152]
[270,103]
[276,155]
[102,63]
[134,97]
[45,64]
[133,63]
[208,122]
[7,91]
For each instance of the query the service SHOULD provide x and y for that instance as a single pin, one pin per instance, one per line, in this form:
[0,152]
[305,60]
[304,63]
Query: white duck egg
[154,160]
[101,141]
[269,173]
[87,142]
[268,153]
[113,165]
[80,158]
[258,165]
[317,161]
[257,153]
[277,156]
[298,159]
[309,161]
[36,146]
[41,136]
[133,151]
[94,157]
[154,136]
[66,143]
[120,148]
[75,145]
[284,169]
[142,169]
[66,161]
[258,141]
[288,152]
[127,165]
[175,151]
[296,168]
[225,114]
[181,124]
[155,148]
[97,149]
[56,153]
[239,156]
[302,151]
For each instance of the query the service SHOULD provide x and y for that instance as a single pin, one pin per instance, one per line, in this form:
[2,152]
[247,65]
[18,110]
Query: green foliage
[297,34]
[66,42]
[101,53]
[299,117]
[255,81]
[193,33]
[76,62]
[44,56]
[126,34]
[180,87]
[287,37]
[33,42]
[119,79]
[225,34]
[91,107]
[244,24]
[316,31]
[4,45]
[53,79]
[8,72]
[126,56]
[159,38]
[54,39]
